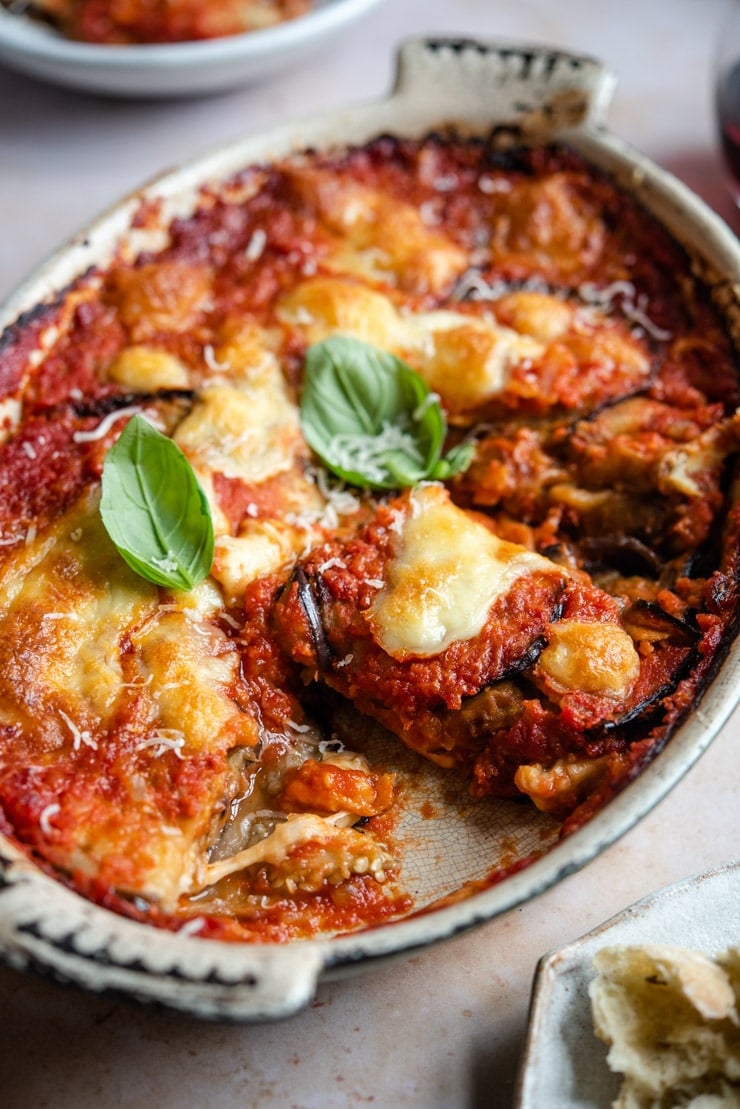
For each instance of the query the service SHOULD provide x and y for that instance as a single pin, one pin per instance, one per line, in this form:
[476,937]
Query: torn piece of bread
[671,1019]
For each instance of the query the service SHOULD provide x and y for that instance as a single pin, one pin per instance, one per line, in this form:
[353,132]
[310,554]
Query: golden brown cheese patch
[446,572]
[377,236]
[161,297]
[530,351]
[119,692]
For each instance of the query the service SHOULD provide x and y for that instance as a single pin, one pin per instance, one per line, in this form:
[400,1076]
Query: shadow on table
[494,1072]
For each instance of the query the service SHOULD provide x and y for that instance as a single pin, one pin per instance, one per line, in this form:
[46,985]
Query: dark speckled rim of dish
[46,927]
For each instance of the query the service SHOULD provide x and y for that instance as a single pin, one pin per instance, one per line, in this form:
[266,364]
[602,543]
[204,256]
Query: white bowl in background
[172,69]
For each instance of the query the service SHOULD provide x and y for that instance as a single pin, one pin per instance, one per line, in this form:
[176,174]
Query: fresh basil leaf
[154,510]
[456,461]
[371,419]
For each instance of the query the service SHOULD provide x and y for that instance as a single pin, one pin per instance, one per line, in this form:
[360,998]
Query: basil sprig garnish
[372,420]
[154,510]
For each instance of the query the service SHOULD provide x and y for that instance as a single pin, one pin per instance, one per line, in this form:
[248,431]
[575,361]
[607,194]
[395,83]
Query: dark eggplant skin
[683,638]
[650,614]
[113,402]
[625,553]
[313,617]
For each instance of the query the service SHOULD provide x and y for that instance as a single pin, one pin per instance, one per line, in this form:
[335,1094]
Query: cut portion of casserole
[475,651]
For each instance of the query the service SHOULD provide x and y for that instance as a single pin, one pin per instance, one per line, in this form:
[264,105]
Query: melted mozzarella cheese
[189,671]
[143,368]
[325,306]
[595,658]
[104,678]
[68,600]
[261,548]
[378,236]
[246,427]
[247,433]
[466,359]
[343,852]
[447,571]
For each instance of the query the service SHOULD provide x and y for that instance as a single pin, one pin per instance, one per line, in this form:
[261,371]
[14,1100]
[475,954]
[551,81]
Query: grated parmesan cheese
[367,453]
[256,245]
[490,185]
[78,737]
[209,357]
[300,728]
[445,183]
[105,425]
[46,815]
[164,739]
[633,307]
[192,927]
[337,494]
[330,564]
[429,212]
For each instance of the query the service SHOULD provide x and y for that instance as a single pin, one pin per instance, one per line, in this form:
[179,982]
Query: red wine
[728,114]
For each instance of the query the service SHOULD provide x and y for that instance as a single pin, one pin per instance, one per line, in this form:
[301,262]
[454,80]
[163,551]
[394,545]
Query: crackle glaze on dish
[45,926]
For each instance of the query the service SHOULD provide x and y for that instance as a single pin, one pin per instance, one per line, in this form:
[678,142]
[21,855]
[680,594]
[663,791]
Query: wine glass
[727,95]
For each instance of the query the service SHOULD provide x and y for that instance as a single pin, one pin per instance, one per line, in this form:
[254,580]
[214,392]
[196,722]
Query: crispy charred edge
[532,654]
[702,670]
[20,338]
[625,553]
[695,676]
[649,708]
[105,405]
[41,312]
[112,402]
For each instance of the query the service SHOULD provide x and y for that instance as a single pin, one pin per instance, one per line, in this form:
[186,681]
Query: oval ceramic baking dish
[45,926]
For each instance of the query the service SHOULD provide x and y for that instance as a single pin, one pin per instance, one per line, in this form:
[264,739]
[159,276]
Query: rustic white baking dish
[46,927]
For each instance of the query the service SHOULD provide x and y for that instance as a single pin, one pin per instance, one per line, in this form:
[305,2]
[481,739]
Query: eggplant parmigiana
[462,422]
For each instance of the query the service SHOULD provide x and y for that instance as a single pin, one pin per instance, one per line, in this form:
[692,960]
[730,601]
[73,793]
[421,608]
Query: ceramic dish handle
[542,84]
[48,928]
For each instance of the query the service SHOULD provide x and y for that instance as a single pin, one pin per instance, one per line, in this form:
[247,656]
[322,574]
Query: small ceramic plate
[564,1064]
[177,69]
